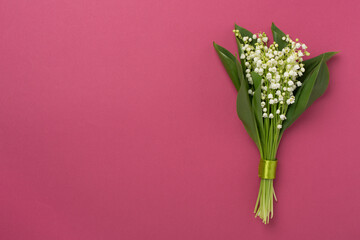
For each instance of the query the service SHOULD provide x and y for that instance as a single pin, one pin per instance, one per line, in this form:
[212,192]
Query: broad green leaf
[229,62]
[307,93]
[315,81]
[245,33]
[256,100]
[256,79]
[320,85]
[256,105]
[244,109]
[278,35]
[240,50]
[311,63]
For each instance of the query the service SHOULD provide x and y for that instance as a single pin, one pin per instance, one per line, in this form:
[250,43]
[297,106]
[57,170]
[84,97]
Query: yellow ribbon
[267,169]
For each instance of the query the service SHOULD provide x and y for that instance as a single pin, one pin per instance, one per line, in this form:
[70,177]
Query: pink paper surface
[118,121]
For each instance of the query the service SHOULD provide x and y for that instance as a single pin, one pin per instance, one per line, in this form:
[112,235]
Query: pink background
[118,122]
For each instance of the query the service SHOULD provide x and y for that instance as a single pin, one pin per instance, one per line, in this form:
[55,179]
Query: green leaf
[244,109]
[313,87]
[229,62]
[256,79]
[240,50]
[245,33]
[278,35]
[256,99]
[320,85]
[256,105]
[311,63]
[315,82]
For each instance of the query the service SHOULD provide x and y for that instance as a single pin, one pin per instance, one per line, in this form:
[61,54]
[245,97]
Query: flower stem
[264,204]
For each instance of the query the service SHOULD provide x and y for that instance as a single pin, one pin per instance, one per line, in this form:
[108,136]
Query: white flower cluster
[279,70]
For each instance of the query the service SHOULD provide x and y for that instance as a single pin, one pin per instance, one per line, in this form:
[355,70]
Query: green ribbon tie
[267,169]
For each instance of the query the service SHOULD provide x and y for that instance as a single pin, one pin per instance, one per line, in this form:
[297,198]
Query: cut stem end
[264,206]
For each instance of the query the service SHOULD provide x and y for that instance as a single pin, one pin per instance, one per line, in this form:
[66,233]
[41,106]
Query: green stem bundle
[264,206]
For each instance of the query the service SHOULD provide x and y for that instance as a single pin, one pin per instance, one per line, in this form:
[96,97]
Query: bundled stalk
[275,86]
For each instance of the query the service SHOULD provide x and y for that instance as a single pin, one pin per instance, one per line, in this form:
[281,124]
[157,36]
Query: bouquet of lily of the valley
[275,86]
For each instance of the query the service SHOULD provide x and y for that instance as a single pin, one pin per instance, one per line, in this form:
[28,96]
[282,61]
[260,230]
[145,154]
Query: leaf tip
[215,45]
[330,55]
[273,26]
